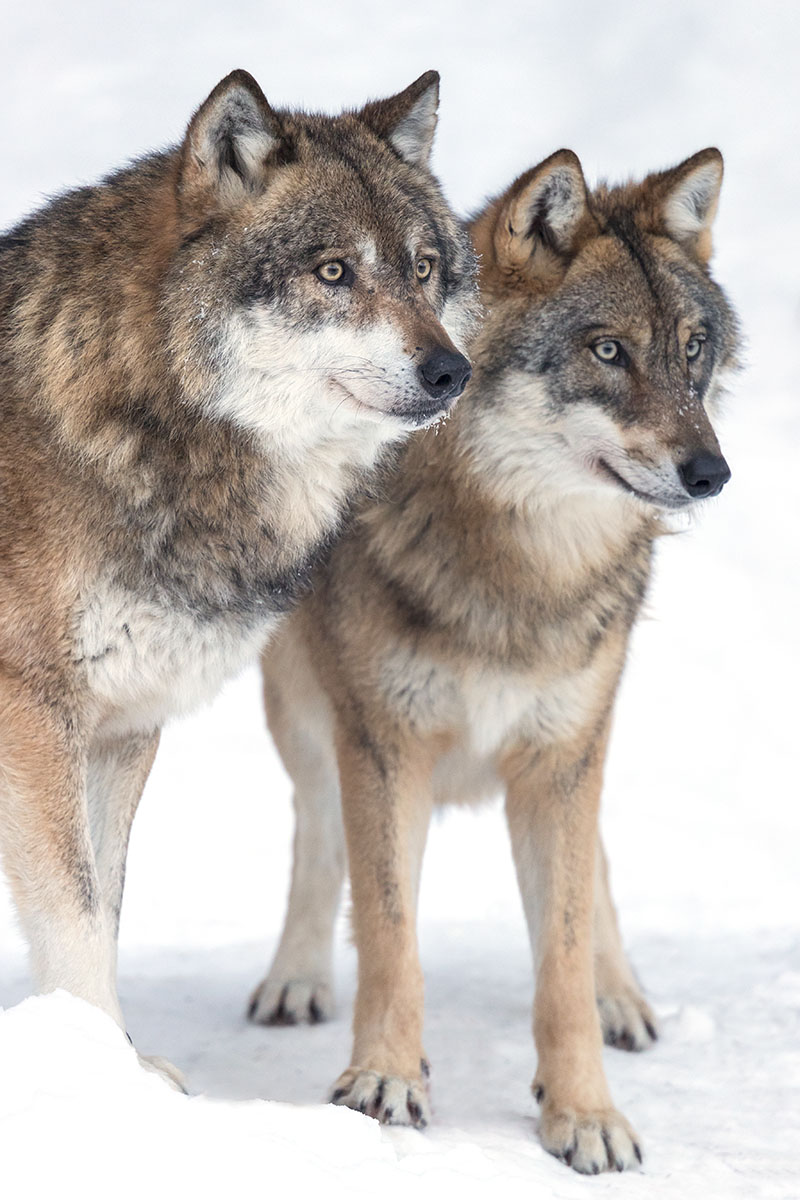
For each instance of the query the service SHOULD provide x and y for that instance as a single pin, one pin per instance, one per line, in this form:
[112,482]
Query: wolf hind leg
[627,1020]
[298,986]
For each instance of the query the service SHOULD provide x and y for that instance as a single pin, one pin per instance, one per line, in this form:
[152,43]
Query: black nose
[704,475]
[445,374]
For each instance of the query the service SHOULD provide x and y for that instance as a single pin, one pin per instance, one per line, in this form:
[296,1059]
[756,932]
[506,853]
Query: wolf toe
[390,1099]
[589,1142]
[628,1021]
[291,1002]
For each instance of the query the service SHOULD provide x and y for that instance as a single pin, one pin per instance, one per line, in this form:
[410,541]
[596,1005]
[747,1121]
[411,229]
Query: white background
[701,810]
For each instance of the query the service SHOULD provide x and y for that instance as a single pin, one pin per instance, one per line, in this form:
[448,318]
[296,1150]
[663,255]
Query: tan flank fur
[469,634]
[203,360]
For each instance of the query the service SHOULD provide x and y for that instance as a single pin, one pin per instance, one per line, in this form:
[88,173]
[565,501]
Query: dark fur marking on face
[625,231]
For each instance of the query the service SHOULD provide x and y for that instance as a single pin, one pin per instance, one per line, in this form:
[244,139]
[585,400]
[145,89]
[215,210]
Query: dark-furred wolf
[202,359]
[469,634]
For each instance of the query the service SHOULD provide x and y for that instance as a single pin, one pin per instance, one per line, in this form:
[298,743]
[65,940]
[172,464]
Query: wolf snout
[444,374]
[704,475]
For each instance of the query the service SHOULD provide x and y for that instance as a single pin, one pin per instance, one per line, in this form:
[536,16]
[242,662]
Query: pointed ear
[408,120]
[690,197]
[542,216]
[228,142]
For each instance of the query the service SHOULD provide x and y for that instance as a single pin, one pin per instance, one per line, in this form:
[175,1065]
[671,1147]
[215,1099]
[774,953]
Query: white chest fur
[489,710]
[146,662]
[500,707]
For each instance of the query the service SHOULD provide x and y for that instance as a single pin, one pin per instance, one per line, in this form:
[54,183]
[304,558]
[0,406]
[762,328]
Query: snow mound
[110,1124]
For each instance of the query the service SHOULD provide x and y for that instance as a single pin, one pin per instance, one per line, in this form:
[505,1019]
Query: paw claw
[628,1021]
[291,1002]
[589,1142]
[390,1099]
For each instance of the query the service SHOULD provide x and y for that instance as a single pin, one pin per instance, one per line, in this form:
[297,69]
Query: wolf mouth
[416,418]
[423,418]
[371,410]
[660,502]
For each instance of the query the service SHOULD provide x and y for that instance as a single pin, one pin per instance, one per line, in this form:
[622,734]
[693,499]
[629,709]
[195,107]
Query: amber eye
[331,272]
[423,268]
[693,347]
[607,351]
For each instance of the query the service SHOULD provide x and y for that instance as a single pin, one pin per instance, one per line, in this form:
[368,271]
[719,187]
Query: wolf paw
[589,1142]
[291,1002]
[391,1099]
[627,1019]
[169,1073]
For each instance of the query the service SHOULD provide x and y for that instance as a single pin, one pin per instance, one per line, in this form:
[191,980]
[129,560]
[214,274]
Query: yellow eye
[331,272]
[606,351]
[424,268]
[693,347]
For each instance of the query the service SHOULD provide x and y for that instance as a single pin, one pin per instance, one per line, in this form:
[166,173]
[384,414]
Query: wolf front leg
[552,807]
[48,852]
[386,804]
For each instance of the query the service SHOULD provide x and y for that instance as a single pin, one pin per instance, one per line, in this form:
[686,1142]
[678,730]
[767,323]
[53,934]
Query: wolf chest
[147,661]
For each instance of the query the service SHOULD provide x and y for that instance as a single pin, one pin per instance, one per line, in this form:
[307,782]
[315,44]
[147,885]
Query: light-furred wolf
[201,361]
[469,634]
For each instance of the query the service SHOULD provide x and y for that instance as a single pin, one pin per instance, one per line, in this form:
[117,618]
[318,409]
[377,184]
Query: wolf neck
[558,523]
[451,532]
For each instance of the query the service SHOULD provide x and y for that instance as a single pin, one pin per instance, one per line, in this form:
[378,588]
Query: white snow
[701,810]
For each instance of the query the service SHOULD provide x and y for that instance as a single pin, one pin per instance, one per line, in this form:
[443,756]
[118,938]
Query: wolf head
[320,267]
[608,338]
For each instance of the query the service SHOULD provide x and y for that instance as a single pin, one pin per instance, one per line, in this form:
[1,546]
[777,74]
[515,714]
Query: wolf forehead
[626,280]
[630,282]
[337,186]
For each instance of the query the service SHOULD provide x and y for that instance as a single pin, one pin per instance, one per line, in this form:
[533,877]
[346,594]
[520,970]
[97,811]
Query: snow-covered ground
[701,812]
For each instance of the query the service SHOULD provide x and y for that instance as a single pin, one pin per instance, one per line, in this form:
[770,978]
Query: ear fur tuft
[408,120]
[229,140]
[540,217]
[690,198]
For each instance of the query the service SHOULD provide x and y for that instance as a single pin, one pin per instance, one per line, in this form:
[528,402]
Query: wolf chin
[468,636]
